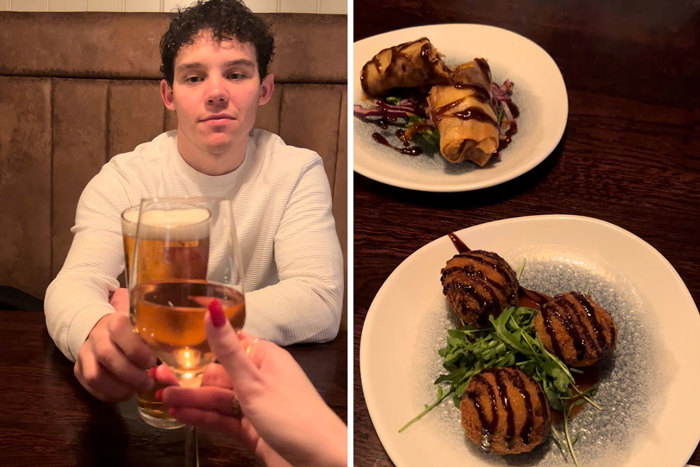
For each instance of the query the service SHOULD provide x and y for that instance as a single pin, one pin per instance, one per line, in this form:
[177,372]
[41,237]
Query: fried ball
[576,329]
[505,411]
[478,284]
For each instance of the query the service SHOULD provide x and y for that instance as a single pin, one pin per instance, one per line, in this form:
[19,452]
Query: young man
[215,57]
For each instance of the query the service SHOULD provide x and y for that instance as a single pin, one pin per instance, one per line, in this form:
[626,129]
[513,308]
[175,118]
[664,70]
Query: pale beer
[169,316]
[174,245]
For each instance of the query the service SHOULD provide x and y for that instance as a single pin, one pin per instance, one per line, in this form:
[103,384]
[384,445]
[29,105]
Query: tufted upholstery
[79,88]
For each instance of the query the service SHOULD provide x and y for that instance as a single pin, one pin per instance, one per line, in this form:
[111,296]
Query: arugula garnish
[510,342]
[426,136]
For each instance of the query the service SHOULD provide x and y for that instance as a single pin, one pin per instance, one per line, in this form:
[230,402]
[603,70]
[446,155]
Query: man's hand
[120,300]
[112,362]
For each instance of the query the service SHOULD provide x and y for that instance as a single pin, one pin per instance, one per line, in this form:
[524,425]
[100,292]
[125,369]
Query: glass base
[160,421]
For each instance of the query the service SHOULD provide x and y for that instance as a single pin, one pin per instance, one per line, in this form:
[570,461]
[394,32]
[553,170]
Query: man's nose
[216,91]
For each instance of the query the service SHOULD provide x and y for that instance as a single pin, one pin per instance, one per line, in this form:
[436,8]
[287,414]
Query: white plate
[648,390]
[539,92]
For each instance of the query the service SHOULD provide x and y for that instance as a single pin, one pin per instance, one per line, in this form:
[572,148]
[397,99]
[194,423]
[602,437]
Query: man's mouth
[218,118]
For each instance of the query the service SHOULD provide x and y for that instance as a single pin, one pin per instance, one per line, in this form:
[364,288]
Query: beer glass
[185,256]
[152,411]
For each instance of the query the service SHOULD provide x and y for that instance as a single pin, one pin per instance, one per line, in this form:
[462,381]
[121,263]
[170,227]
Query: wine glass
[186,255]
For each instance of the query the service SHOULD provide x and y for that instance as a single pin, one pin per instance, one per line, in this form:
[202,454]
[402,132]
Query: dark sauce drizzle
[504,142]
[398,55]
[497,294]
[459,244]
[476,113]
[531,299]
[573,325]
[489,425]
[510,415]
[590,313]
[484,66]
[480,93]
[585,336]
[529,419]
[410,151]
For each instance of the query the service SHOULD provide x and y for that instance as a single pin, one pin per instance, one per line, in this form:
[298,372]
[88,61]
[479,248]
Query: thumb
[227,346]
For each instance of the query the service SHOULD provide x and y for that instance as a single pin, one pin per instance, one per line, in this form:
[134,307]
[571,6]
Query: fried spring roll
[410,65]
[465,115]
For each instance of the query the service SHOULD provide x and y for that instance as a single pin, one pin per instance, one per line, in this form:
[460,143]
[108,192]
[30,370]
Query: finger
[99,382]
[130,343]
[212,421]
[216,375]
[165,375]
[120,300]
[78,372]
[207,398]
[225,344]
[245,337]
[109,356]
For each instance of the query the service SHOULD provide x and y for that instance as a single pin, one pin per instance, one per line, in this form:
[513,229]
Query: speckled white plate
[539,92]
[648,390]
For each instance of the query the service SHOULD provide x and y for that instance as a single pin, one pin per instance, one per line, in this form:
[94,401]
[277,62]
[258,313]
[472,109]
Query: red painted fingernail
[152,372]
[159,395]
[216,312]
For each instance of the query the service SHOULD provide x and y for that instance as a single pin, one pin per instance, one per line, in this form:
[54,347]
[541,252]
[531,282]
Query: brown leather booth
[78,88]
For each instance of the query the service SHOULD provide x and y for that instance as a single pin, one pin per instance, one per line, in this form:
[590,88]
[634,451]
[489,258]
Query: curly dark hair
[227,19]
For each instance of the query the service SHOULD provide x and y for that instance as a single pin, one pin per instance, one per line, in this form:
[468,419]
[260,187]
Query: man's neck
[212,162]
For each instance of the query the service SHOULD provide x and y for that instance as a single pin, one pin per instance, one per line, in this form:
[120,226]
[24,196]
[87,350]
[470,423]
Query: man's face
[216,91]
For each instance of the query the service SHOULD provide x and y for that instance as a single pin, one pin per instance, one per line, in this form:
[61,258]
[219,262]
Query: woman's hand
[261,396]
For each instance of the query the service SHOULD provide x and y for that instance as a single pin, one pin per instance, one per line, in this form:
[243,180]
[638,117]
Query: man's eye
[193,79]
[236,75]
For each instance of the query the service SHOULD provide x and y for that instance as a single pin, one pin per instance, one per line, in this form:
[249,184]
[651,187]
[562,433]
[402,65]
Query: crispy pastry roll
[465,115]
[410,65]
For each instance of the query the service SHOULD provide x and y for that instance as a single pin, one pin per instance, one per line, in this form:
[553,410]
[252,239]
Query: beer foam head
[185,223]
[130,218]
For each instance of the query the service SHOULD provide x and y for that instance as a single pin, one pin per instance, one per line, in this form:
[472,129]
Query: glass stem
[191,447]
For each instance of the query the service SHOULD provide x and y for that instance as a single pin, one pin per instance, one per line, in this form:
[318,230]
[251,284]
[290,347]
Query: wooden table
[47,418]
[630,154]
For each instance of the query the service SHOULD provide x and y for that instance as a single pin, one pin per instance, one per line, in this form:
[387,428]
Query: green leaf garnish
[511,341]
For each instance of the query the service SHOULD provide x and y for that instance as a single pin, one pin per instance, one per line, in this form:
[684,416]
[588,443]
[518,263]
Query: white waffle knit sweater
[282,205]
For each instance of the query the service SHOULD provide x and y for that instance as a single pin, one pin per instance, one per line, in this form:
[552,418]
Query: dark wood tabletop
[630,154]
[47,418]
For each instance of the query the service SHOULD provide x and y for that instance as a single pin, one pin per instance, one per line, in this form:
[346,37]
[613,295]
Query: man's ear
[166,93]
[266,88]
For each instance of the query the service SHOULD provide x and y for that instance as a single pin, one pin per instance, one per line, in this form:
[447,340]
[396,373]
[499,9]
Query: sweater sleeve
[306,304]
[79,295]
